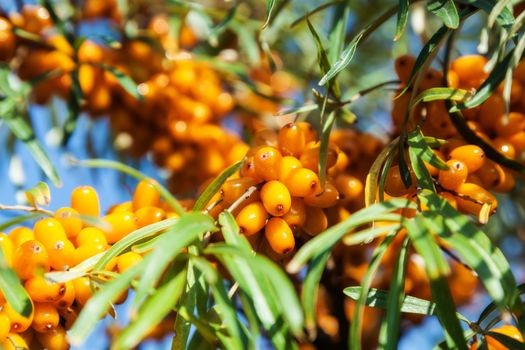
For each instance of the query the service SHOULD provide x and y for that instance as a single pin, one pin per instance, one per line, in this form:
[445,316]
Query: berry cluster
[177,119]
[60,242]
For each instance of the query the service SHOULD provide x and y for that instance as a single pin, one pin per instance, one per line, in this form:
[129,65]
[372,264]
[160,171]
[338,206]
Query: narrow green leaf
[314,11]
[223,24]
[496,11]
[440,93]
[402,17]
[270,4]
[39,195]
[125,81]
[310,290]
[298,110]
[372,179]
[12,289]
[215,185]
[505,18]
[418,141]
[337,34]
[19,219]
[446,10]
[369,234]
[326,128]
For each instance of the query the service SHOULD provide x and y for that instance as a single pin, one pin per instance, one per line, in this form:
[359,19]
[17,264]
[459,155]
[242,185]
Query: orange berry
[316,221]
[120,225]
[491,109]
[279,236]
[14,342]
[19,323]
[8,248]
[85,201]
[67,299]
[491,174]
[46,317]
[5,326]
[146,195]
[48,231]
[233,189]
[403,66]
[455,175]
[62,255]
[125,206]
[83,290]
[517,140]
[127,261]
[55,339]
[470,155]
[296,216]
[41,290]
[276,198]
[310,157]
[324,198]
[394,185]
[453,79]
[91,235]
[431,79]
[70,221]
[149,215]
[349,187]
[248,169]
[88,250]
[507,184]
[469,67]
[476,196]
[7,40]
[268,161]
[291,140]
[21,234]
[308,131]
[509,126]
[90,52]
[30,257]
[302,182]
[252,218]
[504,147]
[288,164]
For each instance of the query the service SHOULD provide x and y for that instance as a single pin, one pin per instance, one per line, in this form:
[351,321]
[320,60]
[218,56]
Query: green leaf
[389,332]
[326,128]
[337,34]
[23,132]
[19,219]
[39,195]
[344,60]
[99,303]
[314,11]
[496,11]
[310,290]
[223,24]
[158,305]
[215,185]
[446,10]
[269,12]
[418,141]
[111,164]
[325,241]
[505,18]
[187,229]
[298,110]
[369,234]
[402,17]
[440,93]
[12,289]
[125,81]
[372,179]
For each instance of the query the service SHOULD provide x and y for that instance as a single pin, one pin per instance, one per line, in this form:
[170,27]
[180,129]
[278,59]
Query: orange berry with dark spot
[41,290]
[48,231]
[291,140]
[302,182]
[279,236]
[62,254]
[67,299]
[233,189]
[46,317]
[252,218]
[268,161]
[248,169]
[470,155]
[455,175]
[19,323]
[276,198]
[324,198]
[30,257]
[349,187]
[403,66]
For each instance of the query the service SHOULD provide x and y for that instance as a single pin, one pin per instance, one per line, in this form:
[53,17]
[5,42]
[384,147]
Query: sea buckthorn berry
[325,198]
[55,339]
[455,175]
[88,250]
[302,182]
[279,236]
[394,185]
[83,290]
[127,261]
[5,326]
[67,299]
[149,215]
[70,221]
[248,169]
[403,66]
[8,248]
[268,161]
[146,195]
[453,79]
[21,234]
[19,323]
[62,254]
[491,109]
[308,130]
[517,140]
[507,184]
[41,290]
[296,216]
[511,125]
[316,221]
[469,67]
[491,174]
[120,225]
[233,189]
[46,317]
[14,342]
[7,40]
[252,218]
[470,155]
[504,147]
[431,79]
[349,187]
[276,198]
[472,197]
[310,157]
[291,140]
[48,231]
[85,201]
[288,164]
[119,208]
[91,235]
[30,257]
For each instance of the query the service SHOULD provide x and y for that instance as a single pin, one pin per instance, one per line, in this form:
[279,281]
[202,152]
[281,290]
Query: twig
[242,198]
[368,90]
[27,209]
[233,289]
